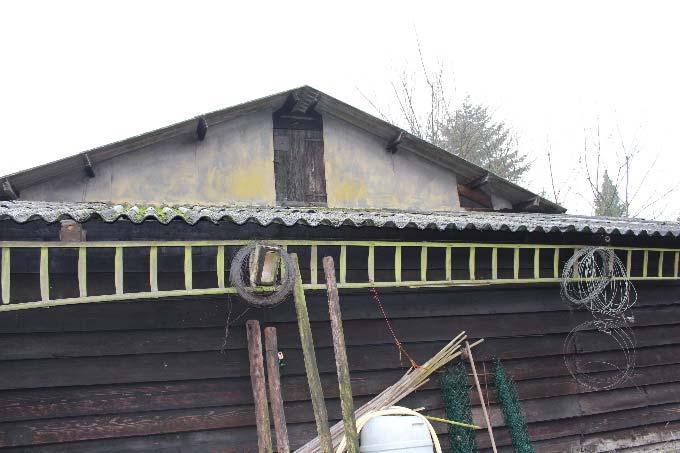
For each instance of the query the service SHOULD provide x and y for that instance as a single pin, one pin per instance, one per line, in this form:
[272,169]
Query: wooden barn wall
[159,375]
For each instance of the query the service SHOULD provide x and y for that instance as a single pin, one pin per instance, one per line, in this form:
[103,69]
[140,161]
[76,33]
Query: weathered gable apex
[242,171]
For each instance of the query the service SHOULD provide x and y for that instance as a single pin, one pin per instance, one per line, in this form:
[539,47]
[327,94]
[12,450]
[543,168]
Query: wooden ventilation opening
[298,156]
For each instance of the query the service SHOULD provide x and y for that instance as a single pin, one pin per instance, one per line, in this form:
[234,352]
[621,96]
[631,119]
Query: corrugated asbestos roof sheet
[24,211]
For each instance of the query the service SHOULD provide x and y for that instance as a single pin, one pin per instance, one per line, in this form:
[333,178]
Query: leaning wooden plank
[468,353]
[307,342]
[346,401]
[271,349]
[410,382]
[264,436]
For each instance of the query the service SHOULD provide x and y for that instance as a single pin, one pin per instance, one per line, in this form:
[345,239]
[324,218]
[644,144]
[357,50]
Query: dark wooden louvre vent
[298,152]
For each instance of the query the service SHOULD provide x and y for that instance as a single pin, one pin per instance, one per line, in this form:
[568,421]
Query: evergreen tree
[512,411]
[456,396]
[471,133]
[607,200]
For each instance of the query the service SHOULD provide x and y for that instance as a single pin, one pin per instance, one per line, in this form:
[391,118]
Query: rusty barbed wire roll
[258,296]
[601,374]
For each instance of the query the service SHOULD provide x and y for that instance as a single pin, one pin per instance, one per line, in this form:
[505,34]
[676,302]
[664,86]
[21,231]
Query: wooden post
[307,342]
[468,352]
[264,436]
[344,383]
[271,351]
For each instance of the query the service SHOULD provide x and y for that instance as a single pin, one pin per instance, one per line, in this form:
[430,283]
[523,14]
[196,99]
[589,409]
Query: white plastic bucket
[396,434]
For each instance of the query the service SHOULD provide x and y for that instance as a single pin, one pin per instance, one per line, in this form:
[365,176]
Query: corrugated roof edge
[25,211]
[328,104]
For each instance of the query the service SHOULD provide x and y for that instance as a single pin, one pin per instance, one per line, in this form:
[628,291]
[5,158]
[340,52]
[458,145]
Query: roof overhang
[323,103]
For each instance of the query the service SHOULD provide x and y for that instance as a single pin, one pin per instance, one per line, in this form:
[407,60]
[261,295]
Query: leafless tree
[425,105]
[616,185]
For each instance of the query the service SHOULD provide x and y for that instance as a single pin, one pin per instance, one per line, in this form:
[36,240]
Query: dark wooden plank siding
[157,376]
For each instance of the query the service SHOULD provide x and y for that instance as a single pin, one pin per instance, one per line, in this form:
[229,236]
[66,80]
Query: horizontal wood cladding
[151,376]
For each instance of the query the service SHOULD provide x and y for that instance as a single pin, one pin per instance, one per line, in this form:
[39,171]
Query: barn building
[119,330]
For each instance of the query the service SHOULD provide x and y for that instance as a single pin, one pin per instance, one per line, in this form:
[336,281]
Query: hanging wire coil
[595,279]
[255,296]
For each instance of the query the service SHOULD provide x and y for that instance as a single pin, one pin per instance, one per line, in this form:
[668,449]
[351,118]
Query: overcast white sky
[76,75]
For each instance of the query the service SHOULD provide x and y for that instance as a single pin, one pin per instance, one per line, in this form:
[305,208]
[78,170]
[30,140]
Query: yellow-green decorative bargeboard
[656,264]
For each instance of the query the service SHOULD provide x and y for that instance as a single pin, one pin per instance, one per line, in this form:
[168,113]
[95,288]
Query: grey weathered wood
[299,166]
[264,437]
[344,383]
[271,349]
[311,368]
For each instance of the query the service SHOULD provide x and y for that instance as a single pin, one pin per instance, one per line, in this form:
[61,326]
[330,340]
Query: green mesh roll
[456,396]
[512,411]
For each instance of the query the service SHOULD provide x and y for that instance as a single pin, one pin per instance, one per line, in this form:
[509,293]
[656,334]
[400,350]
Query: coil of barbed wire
[595,374]
[255,296]
[595,278]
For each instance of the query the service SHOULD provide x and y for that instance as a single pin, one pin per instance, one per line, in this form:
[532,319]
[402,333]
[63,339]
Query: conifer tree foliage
[456,395]
[472,133]
[608,202]
[512,411]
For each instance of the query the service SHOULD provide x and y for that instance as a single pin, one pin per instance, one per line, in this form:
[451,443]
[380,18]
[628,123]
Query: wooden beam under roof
[304,98]
[88,166]
[8,192]
[478,182]
[201,128]
[477,196]
[532,204]
[393,145]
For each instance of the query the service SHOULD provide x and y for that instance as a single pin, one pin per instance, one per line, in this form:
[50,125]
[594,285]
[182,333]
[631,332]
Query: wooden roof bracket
[478,182]
[8,191]
[201,128]
[88,166]
[532,204]
[393,145]
[304,99]
[475,195]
